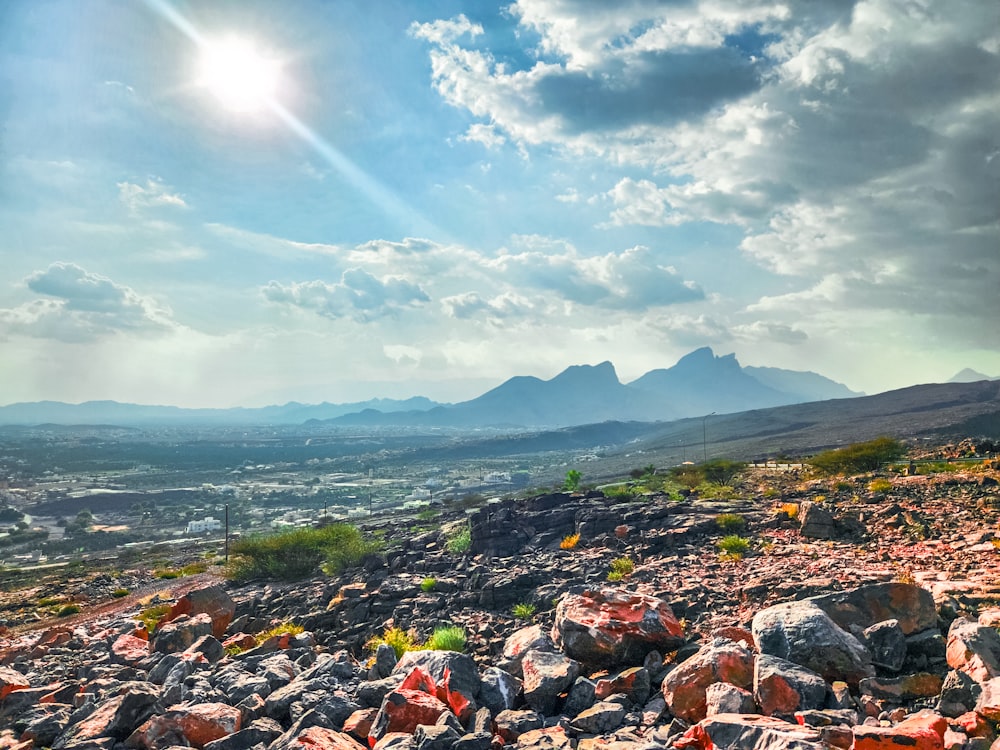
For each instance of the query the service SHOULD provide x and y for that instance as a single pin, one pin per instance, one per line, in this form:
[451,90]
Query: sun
[238,74]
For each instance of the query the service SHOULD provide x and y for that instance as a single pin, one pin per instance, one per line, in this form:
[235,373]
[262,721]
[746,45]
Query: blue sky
[434,196]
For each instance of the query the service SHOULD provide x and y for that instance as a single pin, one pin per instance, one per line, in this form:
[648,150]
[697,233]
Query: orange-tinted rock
[321,738]
[359,724]
[198,725]
[244,641]
[127,649]
[912,605]
[781,687]
[11,680]
[973,725]
[521,642]
[613,627]
[988,704]
[403,710]
[974,649]
[749,731]
[211,600]
[547,738]
[737,634]
[925,731]
[117,717]
[720,660]
[633,682]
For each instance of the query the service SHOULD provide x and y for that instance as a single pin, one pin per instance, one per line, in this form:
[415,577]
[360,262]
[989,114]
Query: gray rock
[546,675]
[803,633]
[521,642]
[499,690]
[910,605]
[723,698]
[887,644]
[816,521]
[385,661]
[959,694]
[581,696]
[781,687]
[601,718]
[260,731]
[512,724]
[435,737]
[180,633]
[474,741]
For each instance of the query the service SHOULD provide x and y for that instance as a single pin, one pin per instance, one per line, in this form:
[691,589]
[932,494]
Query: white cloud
[151,195]
[359,294]
[487,135]
[82,306]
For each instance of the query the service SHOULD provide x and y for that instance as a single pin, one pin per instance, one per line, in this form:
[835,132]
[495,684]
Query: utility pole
[704,435]
[227,532]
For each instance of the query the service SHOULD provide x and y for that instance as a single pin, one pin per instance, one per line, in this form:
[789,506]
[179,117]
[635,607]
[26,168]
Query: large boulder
[521,642]
[11,680]
[782,687]
[803,633]
[546,675]
[910,605]
[720,660]
[750,733]
[196,725]
[613,627]
[923,731]
[210,600]
[116,717]
[974,649]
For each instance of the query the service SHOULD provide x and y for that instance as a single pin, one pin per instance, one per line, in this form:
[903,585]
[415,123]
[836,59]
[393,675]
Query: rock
[317,738]
[210,600]
[581,696]
[127,649]
[887,644]
[402,710]
[720,660]
[613,627]
[958,694]
[816,521]
[988,704]
[11,680]
[474,741]
[910,605]
[902,689]
[546,675]
[196,725]
[207,646]
[803,633]
[359,723]
[454,675]
[782,687]
[723,698]
[974,649]
[43,723]
[116,717]
[521,642]
[435,737]
[750,733]
[633,682]
[601,718]
[385,661]
[499,690]
[512,724]
[924,731]
[181,632]
[259,731]
[548,738]
[393,741]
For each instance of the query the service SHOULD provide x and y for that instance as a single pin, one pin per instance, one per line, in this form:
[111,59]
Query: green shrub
[428,584]
[50,601]
[523,611]
[398,639]
[722,471]
[614,576]
[734,546]
[880,486]
[67,610]
[620,568]
[193,568]
[297,554]
[150,616]
[446,638]
[167,574]
[572,481]
[619,491]
[730,522]
[120,593]
[858,458]
[291,628]
[460,541]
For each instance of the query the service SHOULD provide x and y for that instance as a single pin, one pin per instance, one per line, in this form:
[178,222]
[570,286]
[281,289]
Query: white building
[208,524]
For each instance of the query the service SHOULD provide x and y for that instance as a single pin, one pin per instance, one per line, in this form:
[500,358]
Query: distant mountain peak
[603,372]
[968,375]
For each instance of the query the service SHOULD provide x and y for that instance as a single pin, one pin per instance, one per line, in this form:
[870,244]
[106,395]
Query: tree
[572,481]
[722,471]
[860,457]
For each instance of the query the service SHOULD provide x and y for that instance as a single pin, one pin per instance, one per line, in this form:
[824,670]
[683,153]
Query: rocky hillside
[860,615]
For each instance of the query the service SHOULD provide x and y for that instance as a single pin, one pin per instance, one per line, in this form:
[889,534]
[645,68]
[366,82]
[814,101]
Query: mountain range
[698,384]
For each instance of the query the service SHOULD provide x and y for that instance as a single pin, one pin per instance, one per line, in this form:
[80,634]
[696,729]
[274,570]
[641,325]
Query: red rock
[402,710]
[973,725]
[634,682]
[240,640]
[988,704]
[521,642]
[127,649]
[720,660]
[419,679]
[211,600]
[736,634]
[547,738]
[322,738]
[924,731]
[11,680]
[614,627]
[359,724]
[56,636]
[974,649]
[198,724]
[748,731]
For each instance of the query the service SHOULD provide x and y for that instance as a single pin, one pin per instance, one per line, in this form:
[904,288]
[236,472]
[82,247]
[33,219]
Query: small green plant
[447,638]
[167,574]
[50,601]
[428,584]
[731,522]
[68,609]
[398,639]
[523,611]
[570,541]
[621,567]
[120,593]
[151,616]
[880,486]
[620,491]
[572,481]
[460,541]
[427,514]
[734,546]
[771,493]
[289,628]
[194,568]
[233,649]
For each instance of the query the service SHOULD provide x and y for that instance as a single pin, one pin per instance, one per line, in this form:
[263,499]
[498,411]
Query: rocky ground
[855,619]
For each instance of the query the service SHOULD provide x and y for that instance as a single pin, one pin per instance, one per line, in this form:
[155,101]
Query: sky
[244,203]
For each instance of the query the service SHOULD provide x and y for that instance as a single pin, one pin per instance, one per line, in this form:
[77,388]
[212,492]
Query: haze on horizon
[247,203]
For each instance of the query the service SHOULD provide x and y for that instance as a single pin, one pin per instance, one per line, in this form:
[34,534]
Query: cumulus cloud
[82,306]
[487,135]
[153,194]
[358,295]
[497,309]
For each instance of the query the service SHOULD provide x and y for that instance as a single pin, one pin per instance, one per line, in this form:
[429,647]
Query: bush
[570,541]
[523,611]
[620,568]
[460,541]
[151,616]
[398,639]
[722,471]
[572,481]
[734,546]
[730,521]
[858,458]
[120,593]
[619,491]
[447,638]
[167,574]
[880,486]
[297,554]
[290,628]
[67,610]
[428,584]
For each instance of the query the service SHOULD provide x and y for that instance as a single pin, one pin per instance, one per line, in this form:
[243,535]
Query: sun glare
[241,77]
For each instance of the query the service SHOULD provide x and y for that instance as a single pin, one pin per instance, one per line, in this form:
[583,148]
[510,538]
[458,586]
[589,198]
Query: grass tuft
[400,640]
[296,554]
[523,611]
[447,638]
